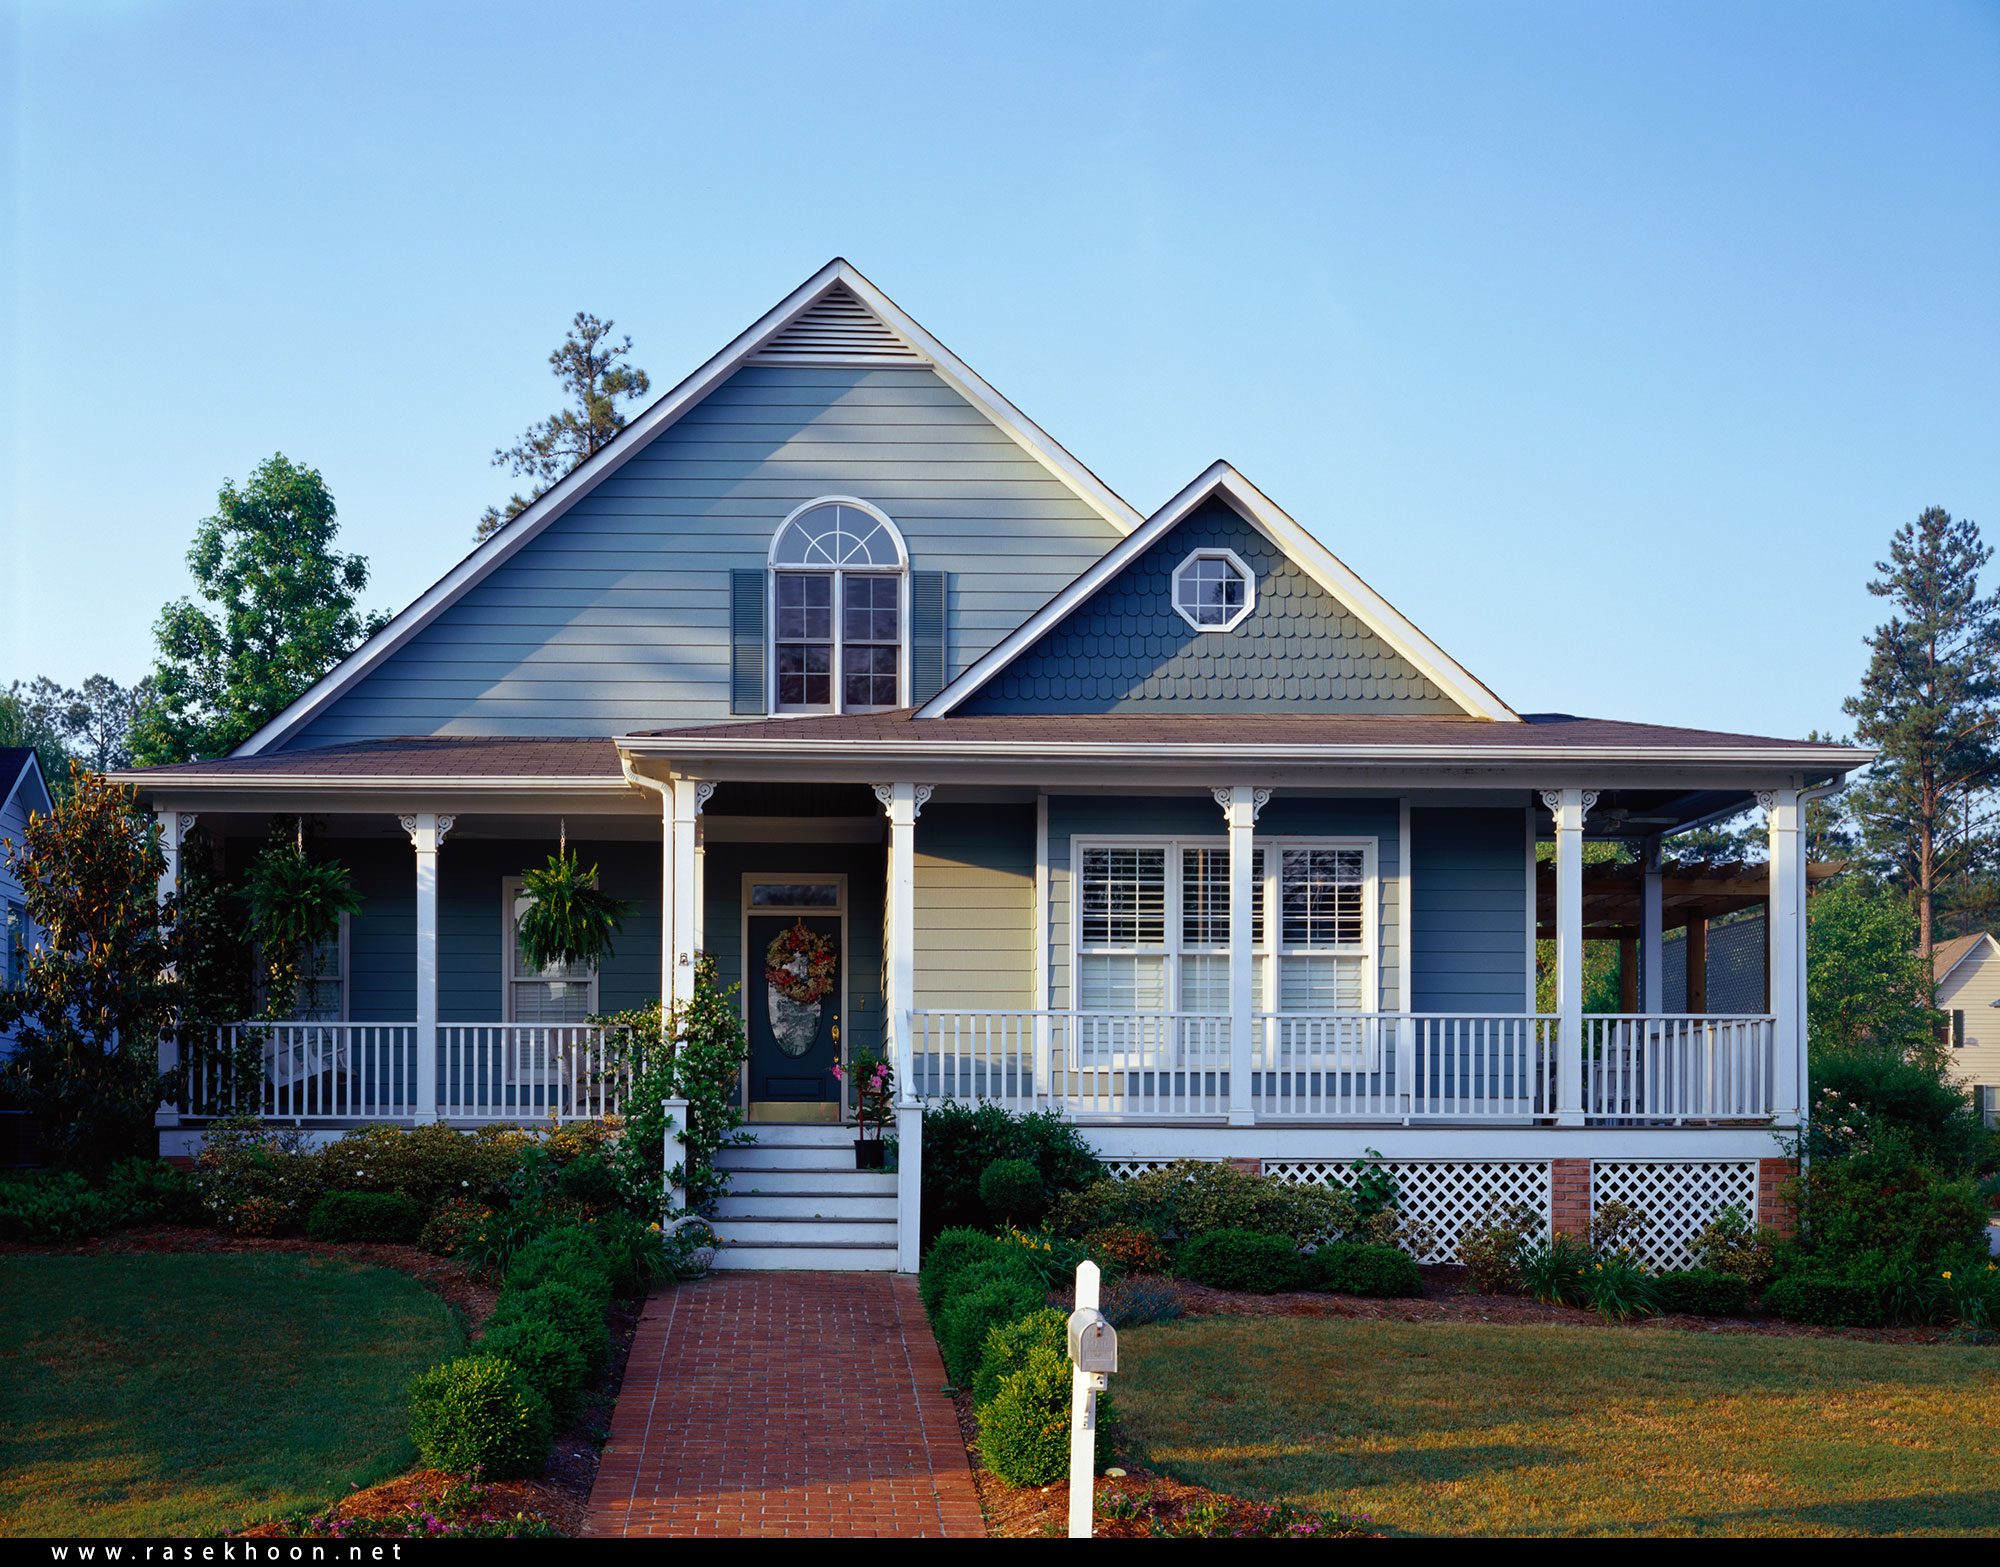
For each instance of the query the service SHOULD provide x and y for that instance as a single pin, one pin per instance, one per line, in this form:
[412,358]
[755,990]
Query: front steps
[796,1201]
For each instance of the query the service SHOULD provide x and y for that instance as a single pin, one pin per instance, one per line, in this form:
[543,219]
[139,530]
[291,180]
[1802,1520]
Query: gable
[1125,648]
[615,615]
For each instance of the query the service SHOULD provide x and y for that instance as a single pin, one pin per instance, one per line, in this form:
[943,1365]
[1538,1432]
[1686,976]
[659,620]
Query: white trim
[1312,557]
[1533,911]
[1237,564]
[838,881]
[651,422]
[1992,944]
[33,765]
[1405,880]
[837,643]
[1042,977]
[772,562]
[510,892]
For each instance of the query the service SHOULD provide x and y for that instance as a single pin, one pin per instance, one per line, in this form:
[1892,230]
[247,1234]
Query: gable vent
[836,328]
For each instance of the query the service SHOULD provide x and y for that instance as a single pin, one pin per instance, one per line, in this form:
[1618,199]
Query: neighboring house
[1164,820]
[23,791]
[1968,993]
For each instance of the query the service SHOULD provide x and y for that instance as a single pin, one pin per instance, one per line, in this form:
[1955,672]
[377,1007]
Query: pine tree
[1928,702]
[591,369]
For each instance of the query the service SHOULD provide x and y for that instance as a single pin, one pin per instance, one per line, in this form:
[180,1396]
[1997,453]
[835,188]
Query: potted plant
[567,920]
[295,908]
[874,1084]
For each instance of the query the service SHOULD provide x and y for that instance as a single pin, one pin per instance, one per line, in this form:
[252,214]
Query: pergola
[1690,895]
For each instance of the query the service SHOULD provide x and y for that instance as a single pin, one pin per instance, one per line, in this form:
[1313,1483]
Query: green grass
[1436,1429]
[190,1394]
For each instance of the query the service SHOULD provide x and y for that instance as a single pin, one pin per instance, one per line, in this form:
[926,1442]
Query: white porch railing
[370,1072]
[1688,1067]
[1332,1066]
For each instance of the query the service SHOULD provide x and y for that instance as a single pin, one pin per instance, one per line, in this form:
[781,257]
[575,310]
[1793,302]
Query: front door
[793,993]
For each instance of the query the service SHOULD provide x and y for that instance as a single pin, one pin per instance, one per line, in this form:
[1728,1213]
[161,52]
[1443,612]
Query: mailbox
[1093,1341]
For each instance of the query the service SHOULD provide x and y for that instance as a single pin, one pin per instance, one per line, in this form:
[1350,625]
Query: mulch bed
[560,1496]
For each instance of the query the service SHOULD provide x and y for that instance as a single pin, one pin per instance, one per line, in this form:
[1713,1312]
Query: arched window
[839,610]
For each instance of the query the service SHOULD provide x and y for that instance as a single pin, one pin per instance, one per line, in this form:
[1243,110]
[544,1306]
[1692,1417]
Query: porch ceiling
[1612,894]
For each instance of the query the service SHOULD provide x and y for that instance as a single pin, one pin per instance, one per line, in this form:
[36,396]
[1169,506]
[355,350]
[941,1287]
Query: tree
[88,1014]
[93,724]
[591,370]
[284,614]
[1928,701]
[27,721]
[1867,988]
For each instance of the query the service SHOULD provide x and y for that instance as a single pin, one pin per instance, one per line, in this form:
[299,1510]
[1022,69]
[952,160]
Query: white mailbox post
[1093,1355]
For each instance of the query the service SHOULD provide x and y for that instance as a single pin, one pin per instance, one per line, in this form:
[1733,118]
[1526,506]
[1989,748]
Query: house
[23,792]
[1968,993]
[1165,820]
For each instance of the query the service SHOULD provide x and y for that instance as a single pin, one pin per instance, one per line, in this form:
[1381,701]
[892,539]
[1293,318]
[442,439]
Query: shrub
[446,1231]
[1701,1292]
[985,1295]
[1827,1299]
[632,1253]
[1885,1202]
[1416,1238]
[1192,1197]
[48,1206]
[1491,1248]
[1008,1344]
[1128,1249]
[1552,1270]
[1243,1260]
[590,1182]
[1616,1227]
[1618,1289]
[1729,1243]
[549,1362]
[961,1141]
[364,1216]
[570,1256]
[577,1316]
[1012,1191]
[254,1179]
[1053,1257]
[945,1258]
[1133,1302]
[428,1164]
[1024,1427]
[479,1412]
[1349,1269]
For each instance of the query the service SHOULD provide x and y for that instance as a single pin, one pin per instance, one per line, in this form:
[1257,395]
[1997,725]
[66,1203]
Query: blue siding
[1126,649]
[1468,910]
[617,615]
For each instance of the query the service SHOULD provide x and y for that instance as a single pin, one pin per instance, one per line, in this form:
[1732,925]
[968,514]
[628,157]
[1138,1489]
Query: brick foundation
[1247,1166]
[1772,1209]
[1569,1213]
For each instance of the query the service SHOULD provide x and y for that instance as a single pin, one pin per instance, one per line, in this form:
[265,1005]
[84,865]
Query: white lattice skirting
[1446,1194]
[1125,1169]
[1678,1199]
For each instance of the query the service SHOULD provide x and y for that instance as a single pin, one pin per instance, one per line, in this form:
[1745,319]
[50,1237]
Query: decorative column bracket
[1225,797]
[920,795]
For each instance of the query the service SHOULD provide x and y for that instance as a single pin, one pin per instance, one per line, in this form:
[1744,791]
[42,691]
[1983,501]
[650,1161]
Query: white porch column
[904,803]
[1783,939]
[174,826]
[682,868]
[1652,959]
[427,830]
[1240,804]
[1569,807]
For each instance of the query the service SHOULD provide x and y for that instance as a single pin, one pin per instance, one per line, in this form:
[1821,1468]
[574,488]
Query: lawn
[1454,1429]
[196,1393]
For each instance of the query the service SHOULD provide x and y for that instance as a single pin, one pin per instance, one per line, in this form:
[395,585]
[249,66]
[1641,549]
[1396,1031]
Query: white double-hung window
[839,610]
[1153,925]
[565,993]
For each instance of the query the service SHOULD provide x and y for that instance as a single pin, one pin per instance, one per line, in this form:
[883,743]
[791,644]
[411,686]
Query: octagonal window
[1214,590]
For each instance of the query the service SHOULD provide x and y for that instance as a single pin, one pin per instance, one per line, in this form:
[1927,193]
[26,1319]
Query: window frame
[510,891]
[900,573]
[341,976]
[1268,954]
[18,933]
[1240,565]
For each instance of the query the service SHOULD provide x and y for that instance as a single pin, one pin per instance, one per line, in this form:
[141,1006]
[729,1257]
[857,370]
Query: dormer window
[1214,590]
[839,571]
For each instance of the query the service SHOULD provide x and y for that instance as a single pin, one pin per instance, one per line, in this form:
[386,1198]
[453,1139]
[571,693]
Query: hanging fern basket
[568,922]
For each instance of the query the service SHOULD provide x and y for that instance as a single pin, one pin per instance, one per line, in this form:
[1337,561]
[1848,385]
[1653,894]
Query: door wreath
[798,973]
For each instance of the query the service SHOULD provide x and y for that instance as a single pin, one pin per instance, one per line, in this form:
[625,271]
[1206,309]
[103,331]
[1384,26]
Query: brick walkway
[804,1404]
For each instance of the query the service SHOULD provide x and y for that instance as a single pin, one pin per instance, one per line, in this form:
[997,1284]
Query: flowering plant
[799,965]
[874,1083]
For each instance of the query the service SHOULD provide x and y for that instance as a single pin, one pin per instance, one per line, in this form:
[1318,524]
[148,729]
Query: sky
[1609,342]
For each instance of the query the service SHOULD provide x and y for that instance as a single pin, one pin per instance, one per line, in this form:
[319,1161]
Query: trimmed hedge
[577,1316]
[549,1361]
[943,1260]
[1827,1300]
[1012,1190]
[1348,1268]
[364,1216]
[1244,1260]
[568,1256]
[1008,1346]
[1701,1292]
[479,1412]
[1024,1426]
[986,1294]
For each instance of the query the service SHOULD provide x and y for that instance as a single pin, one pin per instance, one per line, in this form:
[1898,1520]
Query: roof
[1947,955]
[20,768]
[1357,735]
[1222,481]
[453,758]
[822,310]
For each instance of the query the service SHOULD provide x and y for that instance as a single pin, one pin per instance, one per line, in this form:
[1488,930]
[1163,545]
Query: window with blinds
[562,994]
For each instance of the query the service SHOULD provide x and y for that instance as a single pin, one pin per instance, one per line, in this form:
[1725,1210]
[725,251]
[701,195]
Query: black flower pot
[868,1153]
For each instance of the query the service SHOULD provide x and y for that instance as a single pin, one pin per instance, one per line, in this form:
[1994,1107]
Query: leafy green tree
[592,370]
[88,1015]
[1928,701]
[284,613]
[1867,988]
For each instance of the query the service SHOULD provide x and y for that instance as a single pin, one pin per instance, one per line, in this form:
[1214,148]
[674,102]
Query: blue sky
[1608,341]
